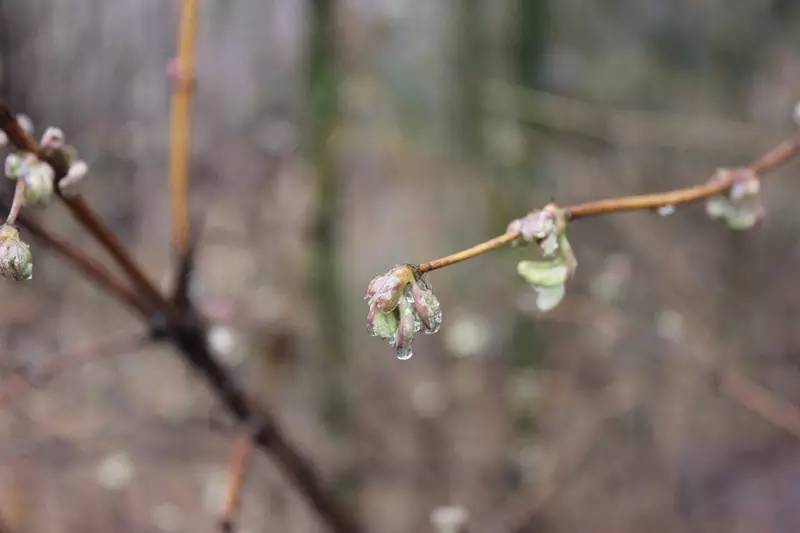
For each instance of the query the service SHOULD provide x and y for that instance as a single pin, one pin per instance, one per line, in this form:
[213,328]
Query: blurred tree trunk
[470,76]
[323,80]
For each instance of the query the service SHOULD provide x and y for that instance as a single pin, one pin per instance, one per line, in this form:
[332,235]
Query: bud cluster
[38,175]
[548,276]
[741,207]
[401,303]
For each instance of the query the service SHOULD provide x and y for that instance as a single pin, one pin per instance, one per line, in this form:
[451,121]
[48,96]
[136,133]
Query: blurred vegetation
[333,140]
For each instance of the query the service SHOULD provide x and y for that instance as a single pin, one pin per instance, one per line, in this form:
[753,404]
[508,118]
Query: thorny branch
[186,329]
[769,161]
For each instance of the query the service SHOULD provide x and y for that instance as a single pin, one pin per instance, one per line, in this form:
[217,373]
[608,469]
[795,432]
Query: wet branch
[776,157]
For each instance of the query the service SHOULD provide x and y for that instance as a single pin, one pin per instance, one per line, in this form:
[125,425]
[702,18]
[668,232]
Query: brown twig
[240,457]
[79,208]
[20,383]
[760,401]
[92,270]
[180,124]
[16,202]
[91,221]
[769,161]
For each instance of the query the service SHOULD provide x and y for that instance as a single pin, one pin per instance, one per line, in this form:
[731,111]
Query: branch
[769,161]
[21,383]
[79,208]
[91,269]
[242,450]
[180,124]
[187,330]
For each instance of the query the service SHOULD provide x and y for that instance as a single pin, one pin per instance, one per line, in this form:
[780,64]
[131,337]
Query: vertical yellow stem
[180,124]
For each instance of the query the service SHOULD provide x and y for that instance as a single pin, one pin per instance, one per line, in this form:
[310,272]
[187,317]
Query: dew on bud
[16,261]
[404,339]
[401,303]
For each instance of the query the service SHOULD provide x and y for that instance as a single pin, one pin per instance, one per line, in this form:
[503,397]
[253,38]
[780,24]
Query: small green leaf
[384,325]
[741,219]
[544,273]
[549,297]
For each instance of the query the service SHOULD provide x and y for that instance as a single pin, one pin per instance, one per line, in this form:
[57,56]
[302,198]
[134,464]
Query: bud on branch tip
[401,303]
[16,261]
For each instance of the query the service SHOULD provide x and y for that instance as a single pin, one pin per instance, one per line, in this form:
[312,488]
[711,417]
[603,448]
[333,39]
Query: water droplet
[666,210]
[404,353]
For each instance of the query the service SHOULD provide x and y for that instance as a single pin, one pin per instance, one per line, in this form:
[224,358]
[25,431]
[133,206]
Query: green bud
[39,184]
[427,306]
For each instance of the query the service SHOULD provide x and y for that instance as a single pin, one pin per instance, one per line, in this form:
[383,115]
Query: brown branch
[180,124]
[91,269]
[769,161]
[80,209]
[16,202]
[91,221]
[240,457]
[20,383]
[187,330]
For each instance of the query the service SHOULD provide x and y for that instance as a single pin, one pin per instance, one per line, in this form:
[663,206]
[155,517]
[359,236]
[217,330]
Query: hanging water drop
[666,210]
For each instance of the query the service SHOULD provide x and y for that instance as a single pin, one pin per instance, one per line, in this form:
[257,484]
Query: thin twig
[91,221]
[769,161]
[760,401]
[91,269]
[80,208]
[16,202]
[20,383]
[240,457]
[180,124]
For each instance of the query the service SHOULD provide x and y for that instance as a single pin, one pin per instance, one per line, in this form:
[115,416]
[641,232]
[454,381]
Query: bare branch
[240,457]
[776,157]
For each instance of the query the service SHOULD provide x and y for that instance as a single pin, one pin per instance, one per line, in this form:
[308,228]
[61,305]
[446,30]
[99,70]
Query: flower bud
[25,123]
[385,291]
[39,184]
[15,166]
[741,208]
[3,139]
[52,138]
[426,306]
[16,261]
[77,171]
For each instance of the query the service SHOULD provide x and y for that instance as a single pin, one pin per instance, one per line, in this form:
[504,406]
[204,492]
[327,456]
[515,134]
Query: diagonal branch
[776,157]
[187,330]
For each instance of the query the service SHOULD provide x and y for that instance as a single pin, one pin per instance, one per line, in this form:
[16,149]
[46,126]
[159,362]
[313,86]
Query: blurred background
[335,139]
